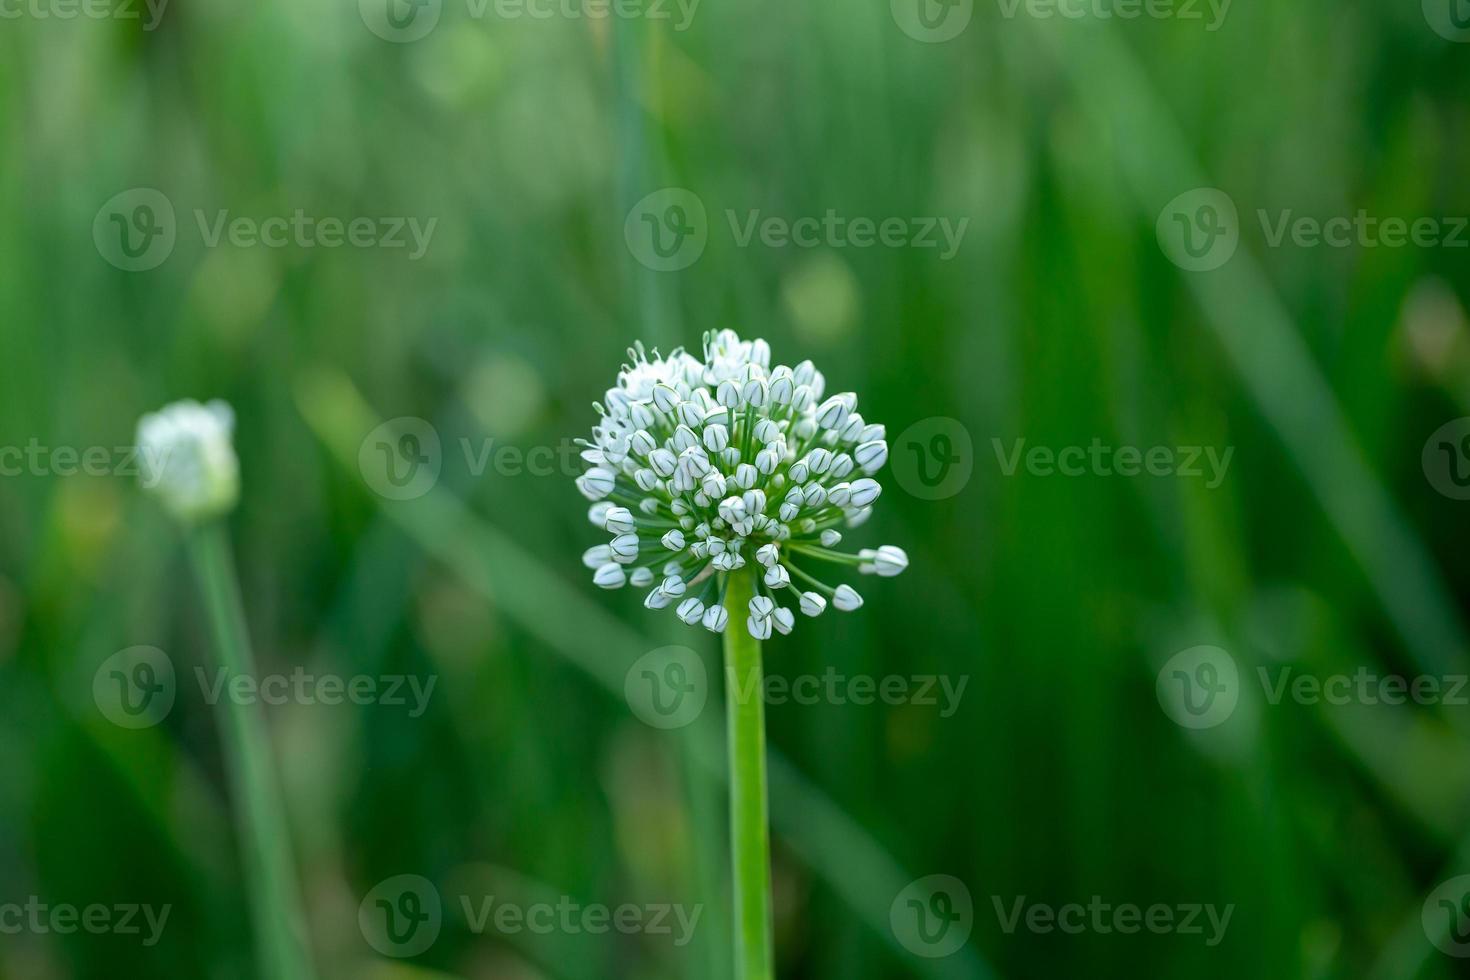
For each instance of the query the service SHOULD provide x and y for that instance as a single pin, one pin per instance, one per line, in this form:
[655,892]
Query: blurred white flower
[699,466]
[187,458]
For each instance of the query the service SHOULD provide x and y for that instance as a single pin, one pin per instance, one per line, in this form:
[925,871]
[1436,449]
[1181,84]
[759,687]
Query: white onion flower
[187,457]
[704,469]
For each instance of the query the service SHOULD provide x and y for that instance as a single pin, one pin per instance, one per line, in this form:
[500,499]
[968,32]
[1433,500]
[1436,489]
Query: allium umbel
[189,458]
[728,465]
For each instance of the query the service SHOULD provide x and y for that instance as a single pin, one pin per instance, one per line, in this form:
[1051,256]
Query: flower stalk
[750,851]
[259,813]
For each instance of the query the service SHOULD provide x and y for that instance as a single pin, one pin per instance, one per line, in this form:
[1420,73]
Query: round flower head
[704,469]
[188,460]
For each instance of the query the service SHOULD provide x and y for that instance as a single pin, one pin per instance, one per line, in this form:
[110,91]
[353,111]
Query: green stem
[750,850]
[259,814]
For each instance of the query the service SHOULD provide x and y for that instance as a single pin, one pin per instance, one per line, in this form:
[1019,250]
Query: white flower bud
[761,606]
[642,443]
[865,491]
[665,397]
[831,537]
[715,618]
[846,598]
[716,438]
[886,561]
[618,520]
[188,459]
[832,413]
[871,456]
[595,484]
[610,576]
[625,548]
[640,577]
[812,604]
[784,621]
[663,462]
[759,628]
[673,540]
[777,577]
[690,611]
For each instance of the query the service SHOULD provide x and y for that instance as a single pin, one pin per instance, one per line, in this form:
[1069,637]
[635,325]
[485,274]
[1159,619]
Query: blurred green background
[529,141]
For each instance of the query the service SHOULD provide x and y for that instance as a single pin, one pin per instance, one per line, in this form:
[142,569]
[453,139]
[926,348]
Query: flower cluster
[189,458]
[705,469]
